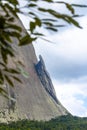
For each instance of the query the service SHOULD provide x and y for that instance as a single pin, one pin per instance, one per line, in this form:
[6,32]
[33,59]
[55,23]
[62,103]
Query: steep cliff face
[35,98]
[45,78]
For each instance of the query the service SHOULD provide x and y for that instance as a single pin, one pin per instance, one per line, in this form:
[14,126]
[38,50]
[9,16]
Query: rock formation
[35,98]
[45,78]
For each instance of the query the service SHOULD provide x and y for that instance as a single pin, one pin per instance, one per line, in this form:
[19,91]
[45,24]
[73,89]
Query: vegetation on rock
[61,123]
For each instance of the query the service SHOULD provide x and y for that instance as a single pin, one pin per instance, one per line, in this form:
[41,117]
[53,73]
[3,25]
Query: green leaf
[42,9]
[32,26]
[9,80]
[11,9]
[25,40]
[17,79]
[74,22]
[50,1]
[33,39]
[33,0]
[48,23]
[4,55]
[53,20]
[52,29]
[3,92]
[14,3]
[33,14]
[11,19]
[14,27]
[70,8]
[65,17]
[38,34]
[3,8]
[1,77]
[78,5]
[14,34]
[2,22]
[38,21]
[11,70]
[32,5]
[5,51]
[59,26]
[19,63]
[46,40]
[7,37]
[10,52]
[23,72]
[2,64]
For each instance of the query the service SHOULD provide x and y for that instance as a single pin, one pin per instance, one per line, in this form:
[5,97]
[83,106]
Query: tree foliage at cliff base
[61,123]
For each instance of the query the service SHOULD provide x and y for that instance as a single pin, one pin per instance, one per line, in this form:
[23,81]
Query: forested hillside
[61,123]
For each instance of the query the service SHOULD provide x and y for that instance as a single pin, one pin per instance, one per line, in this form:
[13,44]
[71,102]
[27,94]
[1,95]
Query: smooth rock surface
[31,99]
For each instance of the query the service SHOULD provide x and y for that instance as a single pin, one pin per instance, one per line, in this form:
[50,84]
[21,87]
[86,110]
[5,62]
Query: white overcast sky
[66,61]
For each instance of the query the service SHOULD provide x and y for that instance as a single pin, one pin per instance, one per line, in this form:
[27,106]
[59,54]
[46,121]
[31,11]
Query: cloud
[73,96]
[66,61]
[67,58]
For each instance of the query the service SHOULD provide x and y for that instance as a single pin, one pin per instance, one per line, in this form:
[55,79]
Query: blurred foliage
[61,123]
[41,16]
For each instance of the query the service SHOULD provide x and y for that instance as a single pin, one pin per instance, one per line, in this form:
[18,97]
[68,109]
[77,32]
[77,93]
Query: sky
[66,62]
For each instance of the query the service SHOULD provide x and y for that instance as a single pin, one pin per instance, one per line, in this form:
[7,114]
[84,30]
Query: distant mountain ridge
[35,98]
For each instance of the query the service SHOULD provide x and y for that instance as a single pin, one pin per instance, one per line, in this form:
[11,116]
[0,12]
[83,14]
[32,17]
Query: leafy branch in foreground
[39,17]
